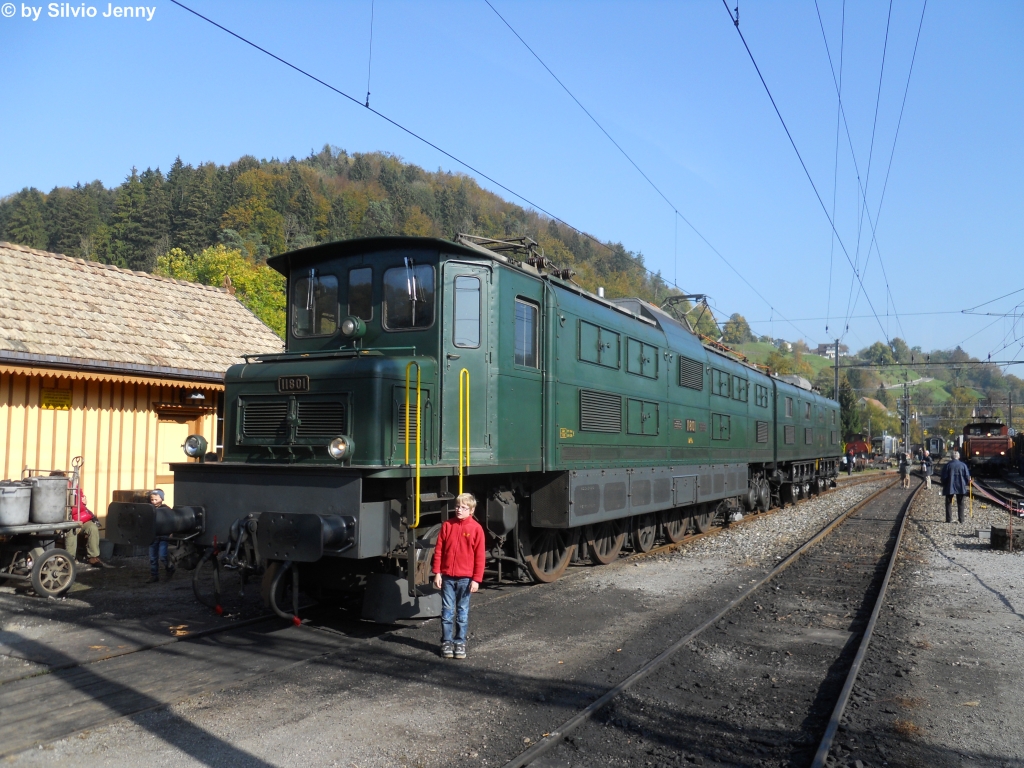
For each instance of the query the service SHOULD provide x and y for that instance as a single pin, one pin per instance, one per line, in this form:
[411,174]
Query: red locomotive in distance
[987,447]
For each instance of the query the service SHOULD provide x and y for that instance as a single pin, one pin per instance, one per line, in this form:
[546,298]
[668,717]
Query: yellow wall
[124,437]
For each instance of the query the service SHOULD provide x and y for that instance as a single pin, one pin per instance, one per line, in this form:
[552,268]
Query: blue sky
[89,98]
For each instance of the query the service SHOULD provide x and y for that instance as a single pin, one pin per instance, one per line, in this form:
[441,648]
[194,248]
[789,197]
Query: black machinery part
[139,524]
[303,538]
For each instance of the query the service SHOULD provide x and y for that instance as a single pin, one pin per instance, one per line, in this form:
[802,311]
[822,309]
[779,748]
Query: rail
[419,402]
[548,742]
[463,422]
[844,696]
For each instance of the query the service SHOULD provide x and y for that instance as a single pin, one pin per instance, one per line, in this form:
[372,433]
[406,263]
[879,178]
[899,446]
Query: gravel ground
[942,683]
[537,654]
[757,688]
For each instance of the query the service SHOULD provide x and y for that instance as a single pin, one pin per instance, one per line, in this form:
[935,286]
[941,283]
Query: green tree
[129,242]
[26,222]
[849,415]
[258,287]
[736,330]
[878,353]
[73,220]
[882,396]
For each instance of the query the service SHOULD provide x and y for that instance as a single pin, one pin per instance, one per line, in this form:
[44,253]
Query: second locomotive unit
[417,368]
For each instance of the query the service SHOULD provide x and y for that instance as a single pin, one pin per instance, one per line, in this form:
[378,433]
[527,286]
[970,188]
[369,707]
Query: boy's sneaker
[448,650]
[460,650]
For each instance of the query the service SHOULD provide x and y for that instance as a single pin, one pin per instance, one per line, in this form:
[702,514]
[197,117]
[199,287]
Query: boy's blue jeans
[157,552]
[454,608]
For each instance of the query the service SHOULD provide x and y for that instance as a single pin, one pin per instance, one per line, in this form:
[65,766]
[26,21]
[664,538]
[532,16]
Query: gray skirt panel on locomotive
[287,507]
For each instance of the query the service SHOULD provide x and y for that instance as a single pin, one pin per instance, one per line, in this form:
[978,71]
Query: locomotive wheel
[764,497]
[549,551]
[53,573]
[675,524]
[702,519]
[605,541]
[643,532]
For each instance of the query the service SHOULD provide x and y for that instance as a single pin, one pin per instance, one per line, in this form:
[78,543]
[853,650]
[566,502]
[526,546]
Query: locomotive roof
[285,261]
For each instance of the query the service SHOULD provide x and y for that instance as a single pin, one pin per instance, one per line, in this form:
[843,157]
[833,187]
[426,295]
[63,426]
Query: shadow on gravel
[922,529]
[190,739]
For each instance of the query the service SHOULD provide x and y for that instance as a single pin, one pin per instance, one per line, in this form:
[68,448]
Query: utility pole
[906,417]
[835,392]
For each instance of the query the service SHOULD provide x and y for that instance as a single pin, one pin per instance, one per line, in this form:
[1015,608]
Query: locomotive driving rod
[552,739]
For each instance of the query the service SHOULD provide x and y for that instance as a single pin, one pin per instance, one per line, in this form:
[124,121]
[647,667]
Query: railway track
[767,677]
[73,695]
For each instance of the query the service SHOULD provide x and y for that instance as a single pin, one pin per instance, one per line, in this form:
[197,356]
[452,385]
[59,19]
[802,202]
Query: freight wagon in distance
[417,367]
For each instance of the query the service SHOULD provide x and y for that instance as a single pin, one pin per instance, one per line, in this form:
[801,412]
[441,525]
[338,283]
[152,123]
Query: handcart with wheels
[30,529]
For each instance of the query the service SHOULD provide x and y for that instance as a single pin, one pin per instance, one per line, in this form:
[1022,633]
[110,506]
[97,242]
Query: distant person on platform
[849,462]
[956,479]
[927,469]
[904,467]
[158,549]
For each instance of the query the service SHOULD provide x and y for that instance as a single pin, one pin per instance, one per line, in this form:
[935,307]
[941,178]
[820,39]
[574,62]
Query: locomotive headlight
[341,447]
[195,446]
[353,327]
[1002,453]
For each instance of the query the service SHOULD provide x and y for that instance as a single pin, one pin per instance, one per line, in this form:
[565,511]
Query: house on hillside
[116,366]
[865,401]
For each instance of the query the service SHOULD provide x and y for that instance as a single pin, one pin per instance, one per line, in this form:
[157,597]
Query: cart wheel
[53,573]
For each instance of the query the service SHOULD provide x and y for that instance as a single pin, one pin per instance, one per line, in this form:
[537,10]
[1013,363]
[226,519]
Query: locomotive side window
[466,331]
[315,305]
[720,382]
[807,410]
[641,359]
[599,345]
[789,407]
[360,293]
[527,329]
[740,389]
[409,297]
[761,395]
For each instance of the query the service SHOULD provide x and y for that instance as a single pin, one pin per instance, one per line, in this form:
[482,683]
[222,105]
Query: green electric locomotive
[417,368]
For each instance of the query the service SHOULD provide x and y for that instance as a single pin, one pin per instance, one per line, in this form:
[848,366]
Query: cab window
[466,330]
[360,293]
[314,305]
[526,334]
[409,297]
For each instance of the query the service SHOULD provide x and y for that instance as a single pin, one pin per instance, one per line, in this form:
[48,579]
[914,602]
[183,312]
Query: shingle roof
[53,307]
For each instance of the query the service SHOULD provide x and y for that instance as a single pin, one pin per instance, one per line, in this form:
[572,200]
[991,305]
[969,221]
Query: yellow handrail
[463,421]
[408,374]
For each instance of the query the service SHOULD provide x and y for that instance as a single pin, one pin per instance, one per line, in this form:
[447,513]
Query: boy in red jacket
[459,568]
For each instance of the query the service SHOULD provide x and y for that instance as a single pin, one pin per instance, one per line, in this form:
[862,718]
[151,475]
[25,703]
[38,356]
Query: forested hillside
[214,223]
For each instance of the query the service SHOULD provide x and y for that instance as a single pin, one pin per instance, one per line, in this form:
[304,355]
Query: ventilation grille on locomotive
[691,373]
[265,420]
[600,412]
[412,420]
[790,434]
[808,435]
[762,431]
[321,419]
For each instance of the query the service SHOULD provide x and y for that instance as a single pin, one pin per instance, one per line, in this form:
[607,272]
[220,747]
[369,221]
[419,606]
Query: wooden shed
[116,366]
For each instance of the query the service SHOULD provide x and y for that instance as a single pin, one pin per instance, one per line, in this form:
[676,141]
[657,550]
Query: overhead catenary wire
[892,153]
[871,153]
[410,132]
[835,164]
[803,165]
[639,170]
[369,57]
